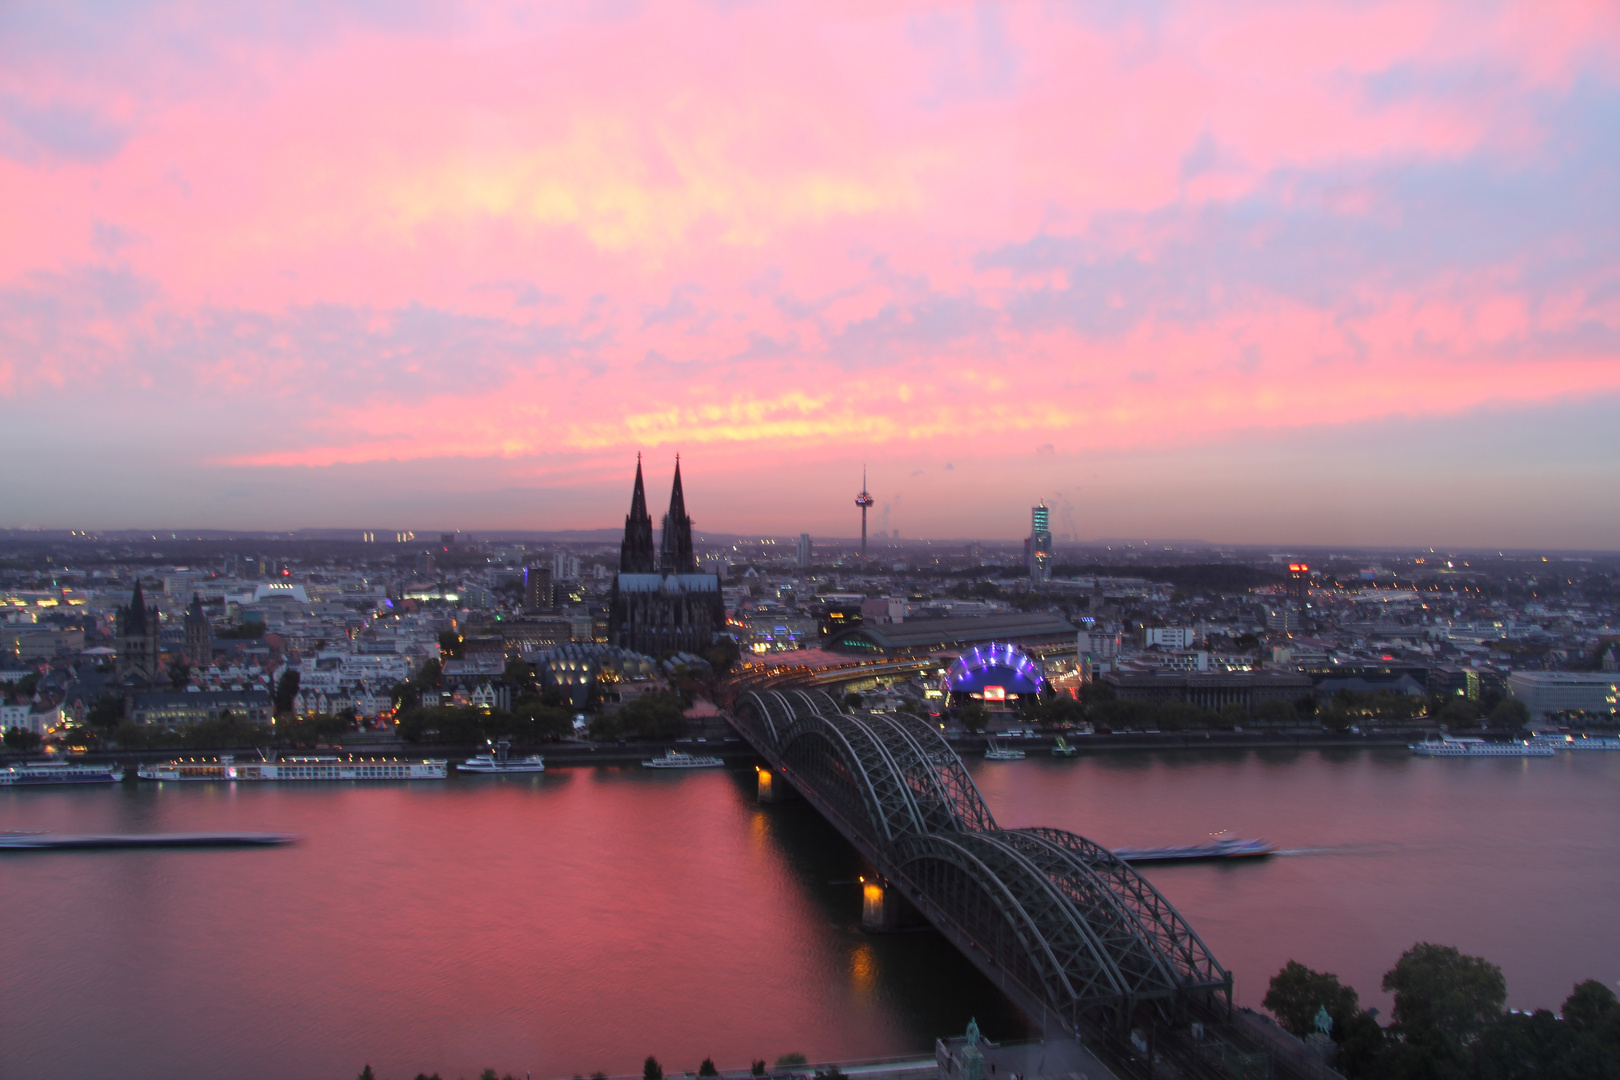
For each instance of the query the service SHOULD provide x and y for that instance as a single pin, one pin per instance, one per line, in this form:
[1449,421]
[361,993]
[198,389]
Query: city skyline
[1268,274]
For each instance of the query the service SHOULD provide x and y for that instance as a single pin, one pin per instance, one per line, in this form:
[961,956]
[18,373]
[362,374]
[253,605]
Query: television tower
[863,500]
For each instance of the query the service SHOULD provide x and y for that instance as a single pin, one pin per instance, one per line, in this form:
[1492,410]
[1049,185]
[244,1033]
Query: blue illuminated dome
[1004,666]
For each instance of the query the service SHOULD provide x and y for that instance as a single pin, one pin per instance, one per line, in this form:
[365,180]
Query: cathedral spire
[636,553]
[675,555]
[137,611]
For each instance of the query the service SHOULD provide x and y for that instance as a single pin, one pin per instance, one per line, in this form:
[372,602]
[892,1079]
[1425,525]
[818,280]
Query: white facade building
[1169,637]
[1548,692]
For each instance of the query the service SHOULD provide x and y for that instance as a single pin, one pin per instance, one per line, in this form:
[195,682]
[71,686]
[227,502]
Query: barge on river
[1225,848]
[227,768]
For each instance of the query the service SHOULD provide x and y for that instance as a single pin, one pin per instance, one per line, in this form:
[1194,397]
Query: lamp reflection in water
[863,968]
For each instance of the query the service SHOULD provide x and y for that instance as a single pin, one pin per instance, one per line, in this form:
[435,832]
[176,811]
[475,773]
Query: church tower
[668,608]
[636,552]
[137,627]
[198,649]
[675,555]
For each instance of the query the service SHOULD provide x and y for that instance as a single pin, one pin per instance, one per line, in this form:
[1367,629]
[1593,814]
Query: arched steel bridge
[1069,931]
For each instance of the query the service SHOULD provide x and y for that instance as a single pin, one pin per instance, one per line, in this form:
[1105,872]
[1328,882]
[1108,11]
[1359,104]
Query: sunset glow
[379,265]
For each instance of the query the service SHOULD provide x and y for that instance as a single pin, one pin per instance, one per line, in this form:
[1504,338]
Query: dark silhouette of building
[675,555]
[636,553]
[864,500]
[197,647]
[670,607]
[538,594]
[1299,582]
[138,650]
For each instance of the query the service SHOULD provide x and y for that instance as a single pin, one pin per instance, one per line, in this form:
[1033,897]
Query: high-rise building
[804,551]
[564,566]
[197,647]
[1040,543]
[537,590]
[1299,582]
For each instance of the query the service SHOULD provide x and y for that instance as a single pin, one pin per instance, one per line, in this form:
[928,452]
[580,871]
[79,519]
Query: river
[580,920]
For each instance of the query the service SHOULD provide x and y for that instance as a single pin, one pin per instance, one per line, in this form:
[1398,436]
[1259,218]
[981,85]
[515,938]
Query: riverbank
[574,754]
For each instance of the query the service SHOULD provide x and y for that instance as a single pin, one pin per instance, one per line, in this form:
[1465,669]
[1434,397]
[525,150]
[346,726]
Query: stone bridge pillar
[884,910]
[772,787]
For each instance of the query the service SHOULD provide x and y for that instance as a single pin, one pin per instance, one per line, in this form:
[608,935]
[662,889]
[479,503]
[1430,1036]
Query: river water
[581,920]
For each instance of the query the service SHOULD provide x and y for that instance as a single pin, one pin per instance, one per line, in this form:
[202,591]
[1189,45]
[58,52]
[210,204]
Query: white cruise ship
[1449,746]
[1577,742]
[500,761]
[59,772]
[226,767]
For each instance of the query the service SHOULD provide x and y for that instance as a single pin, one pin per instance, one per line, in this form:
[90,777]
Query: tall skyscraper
[1299,582]
[1040,542]
[538,594]
[804,551]
[863,500]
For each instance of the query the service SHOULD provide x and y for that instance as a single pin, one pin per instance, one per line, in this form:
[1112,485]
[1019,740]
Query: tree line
[1449,1023]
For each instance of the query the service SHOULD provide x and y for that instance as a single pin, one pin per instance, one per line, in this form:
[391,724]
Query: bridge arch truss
[1067,928]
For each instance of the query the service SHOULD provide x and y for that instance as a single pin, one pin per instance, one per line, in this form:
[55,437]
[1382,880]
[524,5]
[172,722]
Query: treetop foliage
[1448,1023]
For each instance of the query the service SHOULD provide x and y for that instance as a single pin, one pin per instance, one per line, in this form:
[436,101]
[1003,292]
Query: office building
[1040,542]
[1547,692]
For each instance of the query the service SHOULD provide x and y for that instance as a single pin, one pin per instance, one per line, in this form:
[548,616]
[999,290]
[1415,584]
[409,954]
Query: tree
[1589,1005]
[1437,988]
[757,1068]
[1361,1043]
[973,716]
[1459,712]
[1297,992]
[651,1070]
[286,690]
[651,716]
[520,673]
[722,655]
[787,1061]
[179,674]
[707,1068]
[1511,713]
[1275,712]
[450,644]
[367,1074]
[106,712]
[1523,1046]
[17,738]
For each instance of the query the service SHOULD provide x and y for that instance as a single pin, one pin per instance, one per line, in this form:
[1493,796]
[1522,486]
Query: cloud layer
[385,242]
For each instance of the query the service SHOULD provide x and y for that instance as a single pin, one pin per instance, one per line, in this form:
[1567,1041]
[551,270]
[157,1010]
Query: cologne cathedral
[661,604]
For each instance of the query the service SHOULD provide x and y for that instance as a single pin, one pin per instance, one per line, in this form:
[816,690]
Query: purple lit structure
[995,673]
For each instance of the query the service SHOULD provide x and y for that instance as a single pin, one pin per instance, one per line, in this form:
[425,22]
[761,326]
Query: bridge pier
[884,910]
[772,787]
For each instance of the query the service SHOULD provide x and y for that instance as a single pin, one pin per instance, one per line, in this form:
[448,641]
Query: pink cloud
[778,227]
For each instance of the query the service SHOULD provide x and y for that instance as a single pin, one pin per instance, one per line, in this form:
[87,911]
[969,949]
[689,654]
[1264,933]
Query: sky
[1252,272]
